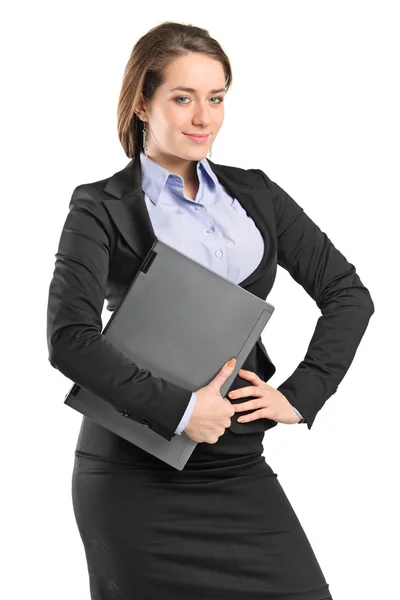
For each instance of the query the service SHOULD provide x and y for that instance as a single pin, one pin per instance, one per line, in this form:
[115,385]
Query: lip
[197,138]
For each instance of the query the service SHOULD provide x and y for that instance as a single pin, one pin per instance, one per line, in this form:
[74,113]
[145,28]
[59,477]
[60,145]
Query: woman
[222,528]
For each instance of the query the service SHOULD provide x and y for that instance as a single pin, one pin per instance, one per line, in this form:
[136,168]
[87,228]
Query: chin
[194,154]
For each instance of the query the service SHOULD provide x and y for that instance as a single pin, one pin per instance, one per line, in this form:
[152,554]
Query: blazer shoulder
[87,201]
[251,177]
[286,208]
[263,180]
[239,175]
[90,194]
[91,191]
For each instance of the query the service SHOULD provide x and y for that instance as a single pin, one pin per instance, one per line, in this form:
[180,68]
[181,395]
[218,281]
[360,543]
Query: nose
[201,114]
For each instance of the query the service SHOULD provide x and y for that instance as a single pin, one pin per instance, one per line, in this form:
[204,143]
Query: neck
[175,164]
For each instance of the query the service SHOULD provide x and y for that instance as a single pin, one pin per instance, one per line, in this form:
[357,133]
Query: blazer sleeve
[76,346]
[345,303]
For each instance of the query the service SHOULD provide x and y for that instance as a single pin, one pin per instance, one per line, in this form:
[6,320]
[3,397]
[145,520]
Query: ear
[140,108]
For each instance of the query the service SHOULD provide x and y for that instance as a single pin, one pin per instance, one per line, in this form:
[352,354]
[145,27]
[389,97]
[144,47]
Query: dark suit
[106,235]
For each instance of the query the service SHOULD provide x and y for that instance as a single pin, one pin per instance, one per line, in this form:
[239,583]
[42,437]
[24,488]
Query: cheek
[218,122]
[173,118]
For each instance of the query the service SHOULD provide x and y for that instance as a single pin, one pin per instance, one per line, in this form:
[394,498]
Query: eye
[216,97]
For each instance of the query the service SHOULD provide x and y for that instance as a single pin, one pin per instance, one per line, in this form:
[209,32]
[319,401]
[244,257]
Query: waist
[231,449]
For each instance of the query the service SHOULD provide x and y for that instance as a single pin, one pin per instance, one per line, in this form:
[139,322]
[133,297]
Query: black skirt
[220,529]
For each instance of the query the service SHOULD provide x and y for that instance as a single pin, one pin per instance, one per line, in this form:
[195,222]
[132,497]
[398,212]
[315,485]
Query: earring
[144,138]
[210,152]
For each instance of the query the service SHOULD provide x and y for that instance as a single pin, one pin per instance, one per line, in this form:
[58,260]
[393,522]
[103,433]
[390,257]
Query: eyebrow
[189,89]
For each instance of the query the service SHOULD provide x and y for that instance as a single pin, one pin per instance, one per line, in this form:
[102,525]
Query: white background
[315,104]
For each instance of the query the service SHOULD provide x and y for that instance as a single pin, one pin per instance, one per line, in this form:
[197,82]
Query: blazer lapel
[256,203]
[130,213]
[131,217]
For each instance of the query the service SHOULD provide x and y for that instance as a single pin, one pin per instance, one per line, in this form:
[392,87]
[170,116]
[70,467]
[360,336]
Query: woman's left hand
[269,404]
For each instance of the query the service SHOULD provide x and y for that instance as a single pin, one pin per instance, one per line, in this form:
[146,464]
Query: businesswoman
[222,528]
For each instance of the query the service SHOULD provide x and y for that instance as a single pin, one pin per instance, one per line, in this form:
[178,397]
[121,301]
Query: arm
[188,413]
[345,303]
[76,345]
[300,415]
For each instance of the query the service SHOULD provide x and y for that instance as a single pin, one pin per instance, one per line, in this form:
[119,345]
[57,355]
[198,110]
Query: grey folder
[182,322]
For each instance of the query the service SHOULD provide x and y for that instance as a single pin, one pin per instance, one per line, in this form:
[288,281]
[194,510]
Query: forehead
[196,72]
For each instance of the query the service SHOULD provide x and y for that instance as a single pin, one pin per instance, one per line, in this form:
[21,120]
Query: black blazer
[105,237]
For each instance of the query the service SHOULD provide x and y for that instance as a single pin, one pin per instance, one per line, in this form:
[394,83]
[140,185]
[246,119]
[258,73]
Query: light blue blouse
[213,229]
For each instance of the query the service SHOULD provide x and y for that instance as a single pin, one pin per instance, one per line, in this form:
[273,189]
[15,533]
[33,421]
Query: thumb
[224,373]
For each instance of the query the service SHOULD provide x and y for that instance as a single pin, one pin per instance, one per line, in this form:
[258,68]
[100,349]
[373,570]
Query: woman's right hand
[212,413]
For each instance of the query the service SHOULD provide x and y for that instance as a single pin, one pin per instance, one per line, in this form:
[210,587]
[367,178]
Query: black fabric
[220,529]
[106,235]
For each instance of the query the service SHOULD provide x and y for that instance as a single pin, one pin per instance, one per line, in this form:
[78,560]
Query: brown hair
[144,72]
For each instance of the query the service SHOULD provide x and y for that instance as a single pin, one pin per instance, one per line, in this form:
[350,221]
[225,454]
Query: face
[171,114]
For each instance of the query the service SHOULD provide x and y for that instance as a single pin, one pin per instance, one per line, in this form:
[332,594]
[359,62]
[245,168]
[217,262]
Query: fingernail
[230,363]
